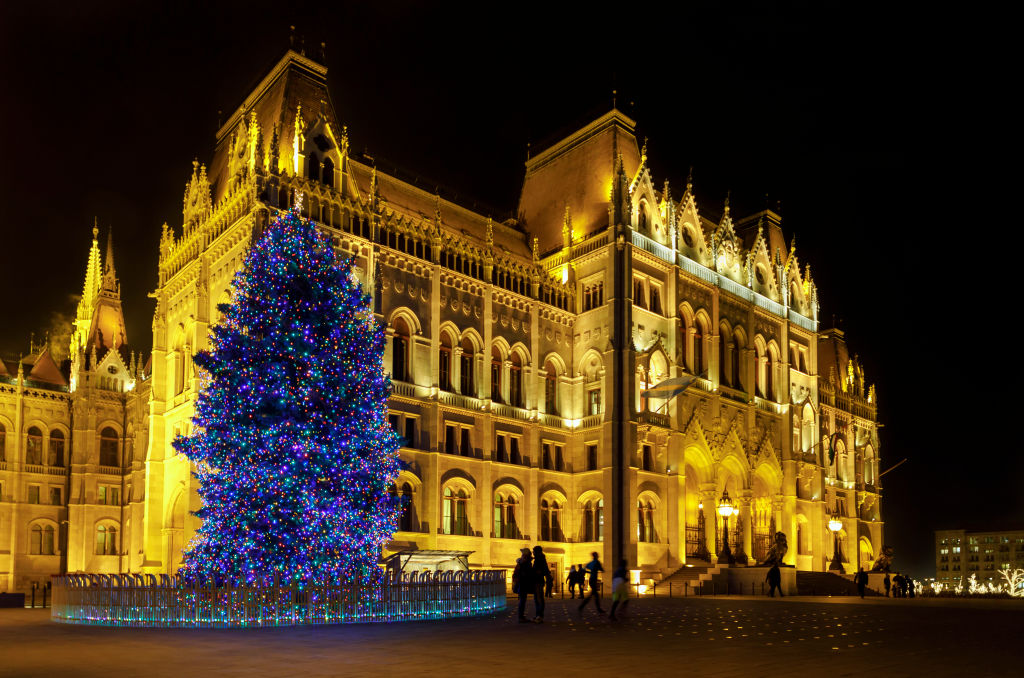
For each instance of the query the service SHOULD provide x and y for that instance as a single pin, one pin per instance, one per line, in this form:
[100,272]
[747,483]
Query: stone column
[708,497]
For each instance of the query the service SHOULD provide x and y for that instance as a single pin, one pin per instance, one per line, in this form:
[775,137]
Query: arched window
[496,369]
[550,521]
[466,382]
[405,520]
[34,446]
[807,429]
[515,381]
[108,447]
[551,388]
[312,167]
[455,516]
[445,363]
[35,544]
[698,347]
[734,361]
[106,541]
[505,526]
[642,221]
[328,174]
[593,520]
[723,355]
[645,522]
[769,376]
[47,549]
[56,456]
[400,351]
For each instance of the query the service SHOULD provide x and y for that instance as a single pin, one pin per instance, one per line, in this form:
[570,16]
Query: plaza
[722,636]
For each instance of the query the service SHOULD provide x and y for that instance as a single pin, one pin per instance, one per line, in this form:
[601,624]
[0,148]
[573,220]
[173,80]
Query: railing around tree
[168,601]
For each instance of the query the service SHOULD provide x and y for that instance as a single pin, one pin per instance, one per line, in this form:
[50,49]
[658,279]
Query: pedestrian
[911,586]
[523,582]
[887,583]
[571,581]
[897,581]
[551,583]
[541,582]
[593,567]
[620,590]
[861,580]
[774,579]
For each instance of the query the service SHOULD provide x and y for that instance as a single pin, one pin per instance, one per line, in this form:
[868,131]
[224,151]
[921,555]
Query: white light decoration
[1014,581]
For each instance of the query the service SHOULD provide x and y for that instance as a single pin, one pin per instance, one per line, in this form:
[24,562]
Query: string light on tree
[292,445]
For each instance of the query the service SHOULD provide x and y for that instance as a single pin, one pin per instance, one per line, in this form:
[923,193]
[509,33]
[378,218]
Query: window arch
[551,520]
[698,346]
[56,452]
[106,540]
[34,446]
[593,520]
[497,368]
[455,514]
[41,540]
[328,173]
[400,351]
[108,447]
[551,387]
[515,380]
[735,377]
[467,383]
[505,525]
[444,362]
[723,355]
[807,428]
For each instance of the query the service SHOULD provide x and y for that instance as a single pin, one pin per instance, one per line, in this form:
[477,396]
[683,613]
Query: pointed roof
[577,172]
[90,293]
[109,274]
[99,321]
[45,370]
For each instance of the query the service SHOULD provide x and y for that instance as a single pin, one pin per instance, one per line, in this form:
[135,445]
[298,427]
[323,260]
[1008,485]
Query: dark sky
[875,130]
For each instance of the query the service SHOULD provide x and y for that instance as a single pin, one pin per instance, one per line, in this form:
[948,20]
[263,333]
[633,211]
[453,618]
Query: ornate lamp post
[834,525]
[739,556]
[725,509]
[702,550]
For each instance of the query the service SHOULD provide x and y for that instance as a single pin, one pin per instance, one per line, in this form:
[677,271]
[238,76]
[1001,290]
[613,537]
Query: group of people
[532,576]
[901,586]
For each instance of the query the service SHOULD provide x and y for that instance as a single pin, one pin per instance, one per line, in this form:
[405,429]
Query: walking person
[620,590]
[861,580]
[571,581]
[911,586]
[774,579]
[887,583]
[523,582]
[541,582]
[593,567]
[897,583]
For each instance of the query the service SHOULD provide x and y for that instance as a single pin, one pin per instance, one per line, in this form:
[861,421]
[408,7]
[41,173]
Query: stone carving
[884,561]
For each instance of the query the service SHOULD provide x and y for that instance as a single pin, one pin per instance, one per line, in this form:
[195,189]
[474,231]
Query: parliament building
[600,373]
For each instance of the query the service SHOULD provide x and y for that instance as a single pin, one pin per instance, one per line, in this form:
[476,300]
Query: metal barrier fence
[167,601]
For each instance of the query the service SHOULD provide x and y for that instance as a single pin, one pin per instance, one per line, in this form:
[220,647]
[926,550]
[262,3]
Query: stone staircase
[691,577]
[827,584]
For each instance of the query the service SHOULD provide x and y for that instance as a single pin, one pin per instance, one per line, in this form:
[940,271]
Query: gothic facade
[522,353]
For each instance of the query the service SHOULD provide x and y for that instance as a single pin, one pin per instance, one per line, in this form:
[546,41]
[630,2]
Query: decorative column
[744,545]
[709,504]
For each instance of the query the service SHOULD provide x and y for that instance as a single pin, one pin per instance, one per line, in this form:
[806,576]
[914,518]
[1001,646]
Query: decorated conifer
[292,445]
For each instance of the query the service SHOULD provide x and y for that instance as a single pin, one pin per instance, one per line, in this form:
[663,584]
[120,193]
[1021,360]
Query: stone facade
[961,553]
[520,351]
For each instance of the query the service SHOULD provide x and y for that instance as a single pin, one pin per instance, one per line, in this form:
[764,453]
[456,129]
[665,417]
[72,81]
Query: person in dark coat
[593,567]
[571,581]
[897,582]
[861,580]
[887,583]
[911,589]
[542,580]
[774,579]
[523,582]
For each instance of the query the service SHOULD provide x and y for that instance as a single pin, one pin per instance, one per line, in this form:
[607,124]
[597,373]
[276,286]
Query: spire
[90,292]
[109,274]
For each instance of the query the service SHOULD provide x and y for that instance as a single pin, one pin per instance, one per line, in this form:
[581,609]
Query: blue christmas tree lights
[292,445]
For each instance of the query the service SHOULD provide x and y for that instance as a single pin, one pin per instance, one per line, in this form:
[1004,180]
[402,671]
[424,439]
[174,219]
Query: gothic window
[734,363]
[639,297]
[34,446]
[328,173]
[722,355]
[769,376]
[550,521]
[505,526]
[594,400]
[515,381]
[466,382]
[106,540]
[551,388]
[56,456]
[592,457]
[642,221]
[698,347]
[593,520]
[108,447]
[36,540]
[655,299]
[445,363]
[400,351]
[312,167]
[455,515]
[496,369]
[404,500]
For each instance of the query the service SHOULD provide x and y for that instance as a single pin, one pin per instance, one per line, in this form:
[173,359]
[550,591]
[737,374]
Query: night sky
[874,131]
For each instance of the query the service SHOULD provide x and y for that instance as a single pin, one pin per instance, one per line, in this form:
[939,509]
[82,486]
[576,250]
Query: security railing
[169,601]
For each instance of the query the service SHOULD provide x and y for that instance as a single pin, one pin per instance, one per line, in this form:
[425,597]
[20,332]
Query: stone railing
[167,600]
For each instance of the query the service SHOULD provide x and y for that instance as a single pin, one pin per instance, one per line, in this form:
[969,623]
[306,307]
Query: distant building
[961,553]
[520,353]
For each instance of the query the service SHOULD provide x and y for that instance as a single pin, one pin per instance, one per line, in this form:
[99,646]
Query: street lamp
[725,509]
[740,557]
[834,525]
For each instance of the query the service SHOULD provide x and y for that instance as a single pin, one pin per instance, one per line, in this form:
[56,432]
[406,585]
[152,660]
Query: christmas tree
[292,445]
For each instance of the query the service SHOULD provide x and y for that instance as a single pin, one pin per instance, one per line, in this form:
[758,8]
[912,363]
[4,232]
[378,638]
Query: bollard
[34,594]
[654,591]
[670,589]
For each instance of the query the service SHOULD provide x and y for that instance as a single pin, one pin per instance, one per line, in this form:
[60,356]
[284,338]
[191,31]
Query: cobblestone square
[724,636]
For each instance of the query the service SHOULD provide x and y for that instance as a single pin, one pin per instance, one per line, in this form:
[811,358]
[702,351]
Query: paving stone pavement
[724,636]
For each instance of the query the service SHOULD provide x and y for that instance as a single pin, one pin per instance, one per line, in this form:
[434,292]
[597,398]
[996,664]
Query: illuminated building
[73,440]
[961,553]
[520,349]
